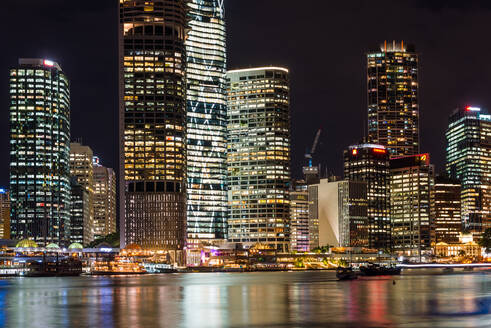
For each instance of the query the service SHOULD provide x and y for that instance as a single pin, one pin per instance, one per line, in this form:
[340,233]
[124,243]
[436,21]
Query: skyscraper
[206,122]
[40,152]
[258,156]
[153,123]
[370,163]
[447,217]
[299,217]
[83,172]
[339,210]
[393,110]
[469,161]
[411,182]
[4,214]
[80,220]
[104,200]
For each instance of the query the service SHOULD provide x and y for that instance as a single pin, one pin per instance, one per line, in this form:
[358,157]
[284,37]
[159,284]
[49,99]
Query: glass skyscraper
[469,161]
[153,124]
[370,163]
[258,156]
[104,200]
[411,183]
[446,208]
[206,122]
[82,170]
[393,110]
[40,152]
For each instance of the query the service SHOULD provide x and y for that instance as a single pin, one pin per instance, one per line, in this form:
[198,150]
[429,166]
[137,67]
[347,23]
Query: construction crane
[309,154]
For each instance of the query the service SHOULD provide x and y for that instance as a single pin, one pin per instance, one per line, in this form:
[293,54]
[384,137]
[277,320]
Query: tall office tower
[80,207]
[370,163]
[339,208]
[258,156]
[4,214]
[153,124]
[469,161]
[447,218]
[104,200]
[393,111]
[206,122]
[299,217]
[411,182]
[40,152]
[81,168]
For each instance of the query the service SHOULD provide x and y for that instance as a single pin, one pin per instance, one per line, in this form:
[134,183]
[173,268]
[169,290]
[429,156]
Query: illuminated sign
[48,63]
[425,158]
[2,191]
[380,151]
[473,109]
[354,152]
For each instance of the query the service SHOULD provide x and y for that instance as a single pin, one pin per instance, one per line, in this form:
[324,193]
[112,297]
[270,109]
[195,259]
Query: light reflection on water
[275,299]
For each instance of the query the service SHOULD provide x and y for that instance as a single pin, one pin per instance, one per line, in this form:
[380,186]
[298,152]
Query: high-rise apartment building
[258,156]
[80,208]
[40,152]
[4,214]
[469,161]
[153,123]
[446,206]
[299,217]
[104,200]
[411,183]
[370,163]
[206,122]
[81,169]
[393,111]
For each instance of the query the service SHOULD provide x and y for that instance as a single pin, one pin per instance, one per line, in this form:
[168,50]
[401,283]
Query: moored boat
[346,274]
[376,270]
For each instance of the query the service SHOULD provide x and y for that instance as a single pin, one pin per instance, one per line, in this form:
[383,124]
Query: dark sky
[322,42]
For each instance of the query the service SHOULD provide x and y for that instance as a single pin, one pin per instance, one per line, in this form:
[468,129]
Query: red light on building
[379,150]
[354,152]
[48,63]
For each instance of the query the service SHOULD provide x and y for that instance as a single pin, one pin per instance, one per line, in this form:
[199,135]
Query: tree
[111,239]
[485,240]
[461,252]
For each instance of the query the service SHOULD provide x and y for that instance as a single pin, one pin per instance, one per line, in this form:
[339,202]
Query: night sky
[322,42]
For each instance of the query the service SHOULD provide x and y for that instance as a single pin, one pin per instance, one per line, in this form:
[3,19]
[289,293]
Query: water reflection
[246,300]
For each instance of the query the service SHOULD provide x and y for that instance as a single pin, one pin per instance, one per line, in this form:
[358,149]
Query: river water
[269,299]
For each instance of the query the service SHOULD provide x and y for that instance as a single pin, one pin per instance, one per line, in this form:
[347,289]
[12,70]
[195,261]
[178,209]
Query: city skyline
[435,104]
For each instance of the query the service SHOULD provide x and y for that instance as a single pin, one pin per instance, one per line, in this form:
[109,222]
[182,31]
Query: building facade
[4,214]
[258,156]
[393,110]
[299,217]
[370,163]
[446,206]
[82,170]
[39,152]
[80,207]
[153,124]
[340,210]
[469,161]
[411,183]
[206,122]
[104,200]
